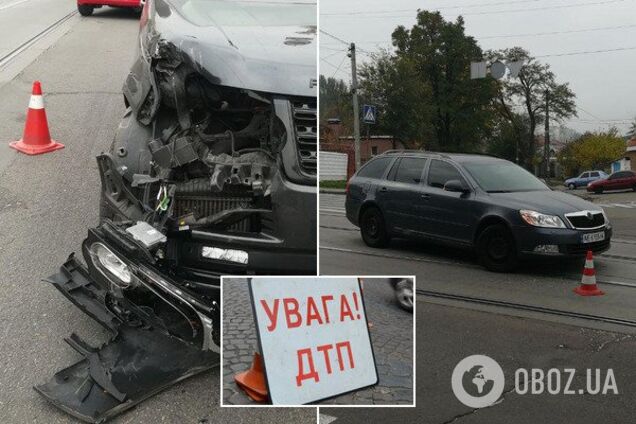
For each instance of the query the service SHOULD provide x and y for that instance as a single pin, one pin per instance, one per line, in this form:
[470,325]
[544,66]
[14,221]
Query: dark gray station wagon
[480,202]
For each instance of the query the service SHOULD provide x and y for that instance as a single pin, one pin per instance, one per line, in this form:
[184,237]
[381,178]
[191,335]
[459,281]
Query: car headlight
[106,260]
[538,219]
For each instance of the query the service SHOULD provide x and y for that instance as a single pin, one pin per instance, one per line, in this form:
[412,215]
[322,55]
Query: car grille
[306,125]
[202,206]
[581,249]
[585,221]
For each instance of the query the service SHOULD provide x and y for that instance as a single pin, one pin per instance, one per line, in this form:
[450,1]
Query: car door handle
[425,196]
[383,189]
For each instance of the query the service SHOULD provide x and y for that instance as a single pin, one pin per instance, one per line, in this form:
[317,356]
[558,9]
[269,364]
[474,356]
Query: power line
[338,68]
[322,46]
[589,113]
[532,34]
[536,34]
[366,12]
[334,37]
[586,52]
[332,65]
[387,14]
[332,54]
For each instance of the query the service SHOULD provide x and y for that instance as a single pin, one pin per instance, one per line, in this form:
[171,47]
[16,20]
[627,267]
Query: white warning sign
[314,337]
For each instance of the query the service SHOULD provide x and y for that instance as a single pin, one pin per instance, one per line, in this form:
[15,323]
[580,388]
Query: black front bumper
[569,241]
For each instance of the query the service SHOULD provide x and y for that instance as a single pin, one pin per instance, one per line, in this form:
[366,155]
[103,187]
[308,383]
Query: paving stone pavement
[391,334]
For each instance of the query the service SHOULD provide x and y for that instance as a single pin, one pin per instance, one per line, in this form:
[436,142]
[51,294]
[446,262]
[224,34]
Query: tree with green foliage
[528,91]
[393,85]
[424,89]
[335,101]
[593,150]
[507,132]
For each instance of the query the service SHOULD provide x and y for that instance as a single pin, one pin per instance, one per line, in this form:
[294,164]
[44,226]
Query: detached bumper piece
[135,364]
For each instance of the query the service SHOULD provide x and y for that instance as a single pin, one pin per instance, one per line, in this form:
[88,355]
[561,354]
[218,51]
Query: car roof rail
[418,151]
[430,153]
[388,152]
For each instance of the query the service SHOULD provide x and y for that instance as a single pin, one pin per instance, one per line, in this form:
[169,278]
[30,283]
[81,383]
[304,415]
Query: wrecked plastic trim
[102,385]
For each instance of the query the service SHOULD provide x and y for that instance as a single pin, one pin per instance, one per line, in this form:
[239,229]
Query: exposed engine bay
[206,176]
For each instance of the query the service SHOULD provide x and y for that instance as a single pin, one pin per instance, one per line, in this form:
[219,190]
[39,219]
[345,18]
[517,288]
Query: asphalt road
[447,334]
[448,330]
[47,204]
[391,331]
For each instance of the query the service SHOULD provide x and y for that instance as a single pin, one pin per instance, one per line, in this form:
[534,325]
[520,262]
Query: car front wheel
[496,249]
[373,228]
[598,190]
[571,186]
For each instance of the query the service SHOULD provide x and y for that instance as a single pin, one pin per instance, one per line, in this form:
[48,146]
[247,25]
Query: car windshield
[249,13]
[503,177]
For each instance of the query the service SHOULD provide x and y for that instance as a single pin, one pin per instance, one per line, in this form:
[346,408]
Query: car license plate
[592,237]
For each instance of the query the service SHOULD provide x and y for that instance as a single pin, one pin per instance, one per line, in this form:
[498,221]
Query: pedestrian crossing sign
[368,114]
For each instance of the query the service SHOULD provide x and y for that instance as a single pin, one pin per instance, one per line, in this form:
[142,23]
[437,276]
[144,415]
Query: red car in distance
[86,7]
[621,180]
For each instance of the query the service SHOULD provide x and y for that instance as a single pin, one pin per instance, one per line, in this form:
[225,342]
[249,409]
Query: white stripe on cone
[36,102]
[588,280]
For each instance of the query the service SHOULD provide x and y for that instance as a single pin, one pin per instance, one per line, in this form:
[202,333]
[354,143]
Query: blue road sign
[368,114]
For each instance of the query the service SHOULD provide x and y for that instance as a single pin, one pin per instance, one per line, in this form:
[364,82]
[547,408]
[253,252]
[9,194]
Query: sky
[604,82]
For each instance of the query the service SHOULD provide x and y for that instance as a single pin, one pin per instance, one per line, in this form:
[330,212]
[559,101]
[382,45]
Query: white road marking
[15,3]
[325,419]
[631,205]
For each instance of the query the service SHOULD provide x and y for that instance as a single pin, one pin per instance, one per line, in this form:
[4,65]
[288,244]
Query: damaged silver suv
[212,171]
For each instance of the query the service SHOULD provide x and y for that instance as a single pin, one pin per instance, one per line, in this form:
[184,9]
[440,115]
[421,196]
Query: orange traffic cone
[588,285]
[252,381]
[36,139]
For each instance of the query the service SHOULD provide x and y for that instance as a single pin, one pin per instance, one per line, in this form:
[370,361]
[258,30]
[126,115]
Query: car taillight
[347,186]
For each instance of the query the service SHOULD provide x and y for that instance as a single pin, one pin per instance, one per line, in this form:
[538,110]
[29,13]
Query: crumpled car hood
[273,59]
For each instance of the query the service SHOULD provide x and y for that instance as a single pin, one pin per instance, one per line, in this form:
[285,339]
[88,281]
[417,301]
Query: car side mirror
[456,186]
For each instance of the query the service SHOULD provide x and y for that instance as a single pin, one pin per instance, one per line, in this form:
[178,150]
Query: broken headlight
[110,265]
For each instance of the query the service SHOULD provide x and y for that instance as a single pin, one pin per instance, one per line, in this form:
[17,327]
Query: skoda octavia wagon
[488,204]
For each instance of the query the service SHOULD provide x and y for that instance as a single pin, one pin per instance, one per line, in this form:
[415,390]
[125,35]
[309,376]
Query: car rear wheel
[85,10]
[571,186]
[373,228]
[496,249]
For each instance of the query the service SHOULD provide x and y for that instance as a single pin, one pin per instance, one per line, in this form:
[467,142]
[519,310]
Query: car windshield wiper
[499,191]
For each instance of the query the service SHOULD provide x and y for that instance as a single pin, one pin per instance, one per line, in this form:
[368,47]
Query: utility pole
[356,108]
[546,137]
